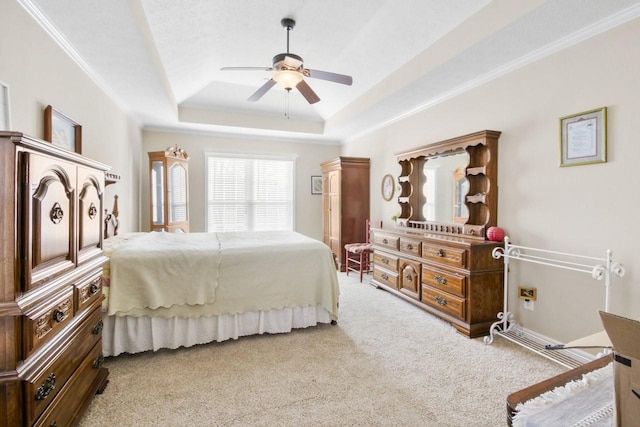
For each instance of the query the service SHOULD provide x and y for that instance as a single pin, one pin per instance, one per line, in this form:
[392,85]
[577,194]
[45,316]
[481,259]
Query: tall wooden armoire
[345,203]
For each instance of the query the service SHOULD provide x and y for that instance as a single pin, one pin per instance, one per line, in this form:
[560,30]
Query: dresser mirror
[450,187]
[445,188]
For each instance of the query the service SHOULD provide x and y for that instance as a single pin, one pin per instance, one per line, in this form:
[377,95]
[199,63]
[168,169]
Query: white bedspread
[209,274]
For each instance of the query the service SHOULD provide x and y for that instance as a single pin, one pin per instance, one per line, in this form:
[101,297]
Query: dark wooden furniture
[169,190]
[456,279]
[451,206]
[345,203]
[50,282]
[536,390]
[437,256]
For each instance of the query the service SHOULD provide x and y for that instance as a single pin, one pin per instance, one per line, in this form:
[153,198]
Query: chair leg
[362,254]
[346,260]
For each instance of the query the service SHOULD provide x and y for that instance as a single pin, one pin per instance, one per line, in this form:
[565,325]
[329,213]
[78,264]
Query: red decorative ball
[495,234]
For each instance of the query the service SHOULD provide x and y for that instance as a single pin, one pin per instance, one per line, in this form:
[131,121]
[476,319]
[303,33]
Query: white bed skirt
[126,334]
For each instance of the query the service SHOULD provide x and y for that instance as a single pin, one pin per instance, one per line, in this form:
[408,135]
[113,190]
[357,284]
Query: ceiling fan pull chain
[286,104]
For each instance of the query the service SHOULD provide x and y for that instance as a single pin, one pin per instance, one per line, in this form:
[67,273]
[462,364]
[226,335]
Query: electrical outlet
[529,294]
[528,304]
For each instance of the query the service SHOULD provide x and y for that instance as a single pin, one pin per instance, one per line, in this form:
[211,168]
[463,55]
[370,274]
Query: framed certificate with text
[583,138]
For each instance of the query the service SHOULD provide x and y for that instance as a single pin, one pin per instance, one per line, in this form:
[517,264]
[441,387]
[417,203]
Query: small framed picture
[61,131]
[5,117]
[583,138]
[316,185]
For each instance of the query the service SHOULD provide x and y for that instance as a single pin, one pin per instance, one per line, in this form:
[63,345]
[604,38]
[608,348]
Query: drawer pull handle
[92,211]
[409,246]
[47,387]
[56,213]
[53,424]
[440,253]
[409,278]
[385,241]
[385,261]
[94,288]
[441,300]
[98,362]
[98,328]
[385,276]
[440,279]
[58,315]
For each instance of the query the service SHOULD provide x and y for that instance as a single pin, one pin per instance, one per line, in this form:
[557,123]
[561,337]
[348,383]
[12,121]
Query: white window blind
[249,193]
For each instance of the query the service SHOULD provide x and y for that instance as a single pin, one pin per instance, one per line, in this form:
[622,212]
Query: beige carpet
[386,363]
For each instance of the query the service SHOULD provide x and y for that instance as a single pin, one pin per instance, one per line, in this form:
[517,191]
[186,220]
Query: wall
[40,73]
[308,215]
[581,209]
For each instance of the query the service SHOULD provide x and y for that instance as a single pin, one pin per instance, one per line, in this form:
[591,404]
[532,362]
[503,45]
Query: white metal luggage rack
[507,327]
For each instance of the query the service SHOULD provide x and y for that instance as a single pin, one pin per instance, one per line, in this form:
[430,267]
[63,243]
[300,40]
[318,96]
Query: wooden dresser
[50,282]
[345,203]
[437,256]
[454,278]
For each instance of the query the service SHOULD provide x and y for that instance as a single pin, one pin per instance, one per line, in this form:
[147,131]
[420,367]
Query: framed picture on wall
[61,131]
[583,138]
[5,117]
[316,185]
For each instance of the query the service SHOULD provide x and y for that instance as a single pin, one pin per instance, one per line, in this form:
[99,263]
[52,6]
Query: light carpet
[386,363]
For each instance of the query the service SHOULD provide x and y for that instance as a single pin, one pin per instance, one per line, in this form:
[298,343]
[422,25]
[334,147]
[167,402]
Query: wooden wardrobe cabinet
[345,203]
[50,282]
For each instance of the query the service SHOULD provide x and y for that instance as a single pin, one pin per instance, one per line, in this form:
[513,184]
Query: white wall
[40,73]
[308,207]
[580,209]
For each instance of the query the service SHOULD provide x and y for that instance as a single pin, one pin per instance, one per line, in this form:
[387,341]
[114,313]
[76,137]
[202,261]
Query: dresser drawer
[45,320]
[385,277]
[73,394]
[446,281]
[87,291]
[386,241]
[387,261]
[444,302]
[410,246]
[444,254]
[48,377]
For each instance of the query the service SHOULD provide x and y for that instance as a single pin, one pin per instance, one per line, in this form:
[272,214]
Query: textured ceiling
[160,60]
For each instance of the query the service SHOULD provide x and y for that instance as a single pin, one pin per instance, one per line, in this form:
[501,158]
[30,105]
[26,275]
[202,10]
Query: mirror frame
[387,187]
[482,173]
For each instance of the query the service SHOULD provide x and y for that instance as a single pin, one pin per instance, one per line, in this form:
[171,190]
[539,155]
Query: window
[249,193]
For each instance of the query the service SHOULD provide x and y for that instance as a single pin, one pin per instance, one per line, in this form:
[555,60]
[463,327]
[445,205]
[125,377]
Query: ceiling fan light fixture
[288,79]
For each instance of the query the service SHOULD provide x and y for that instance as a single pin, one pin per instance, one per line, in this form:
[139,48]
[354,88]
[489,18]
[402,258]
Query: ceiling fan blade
[291,62]
[307,92]
[263,89]
[247,68]
[332,77]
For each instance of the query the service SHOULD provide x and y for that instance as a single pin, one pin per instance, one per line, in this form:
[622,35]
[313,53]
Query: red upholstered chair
[358,255]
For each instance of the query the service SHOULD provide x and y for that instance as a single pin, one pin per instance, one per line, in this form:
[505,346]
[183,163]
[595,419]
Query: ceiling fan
[289,72]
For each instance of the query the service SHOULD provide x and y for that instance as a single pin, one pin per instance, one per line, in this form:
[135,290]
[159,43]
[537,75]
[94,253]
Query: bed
[170,290]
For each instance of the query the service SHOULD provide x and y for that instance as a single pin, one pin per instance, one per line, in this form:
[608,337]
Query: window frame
[250,156]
